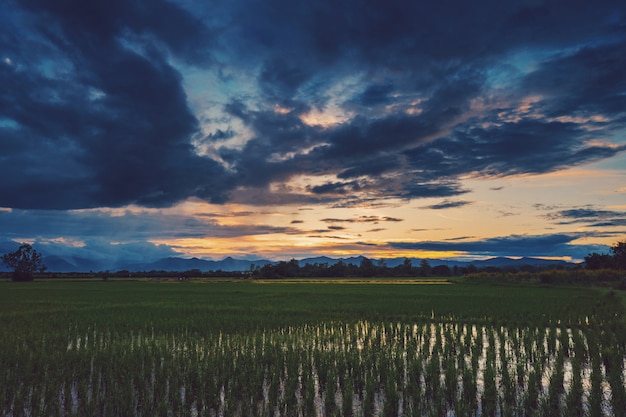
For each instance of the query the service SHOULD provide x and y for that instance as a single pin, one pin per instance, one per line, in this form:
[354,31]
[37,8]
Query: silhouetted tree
[367,268]
[441,270]
[407,267]
[267,271]
[424,268]
[619,255]
[338,269]
[598,261]
[25,261]
[287,269]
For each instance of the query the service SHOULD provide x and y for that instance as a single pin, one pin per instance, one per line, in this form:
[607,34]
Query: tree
[338,269]
[441,270]
[595,261]
[367,268]
[25,261]
[267,271]
[407,266]
[619,254]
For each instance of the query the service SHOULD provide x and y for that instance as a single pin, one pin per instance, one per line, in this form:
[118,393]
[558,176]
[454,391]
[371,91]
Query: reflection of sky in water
[399,347]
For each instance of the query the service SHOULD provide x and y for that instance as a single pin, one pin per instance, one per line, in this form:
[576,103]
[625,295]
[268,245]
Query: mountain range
[228,264]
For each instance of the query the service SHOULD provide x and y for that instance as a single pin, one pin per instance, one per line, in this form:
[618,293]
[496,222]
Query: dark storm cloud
[404,32]
[595,81]
[277,134]
[408,52]
[375,94]
[99,116]
[515,245]
[511,148]
[220,135]
[374,167]
[97,113]
[443,189]
[336,187]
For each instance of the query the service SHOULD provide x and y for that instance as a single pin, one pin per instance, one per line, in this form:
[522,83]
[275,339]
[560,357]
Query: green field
[309,348]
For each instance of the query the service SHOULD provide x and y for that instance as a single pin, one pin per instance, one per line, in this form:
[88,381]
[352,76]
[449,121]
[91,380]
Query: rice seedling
[206,352]
[574,400]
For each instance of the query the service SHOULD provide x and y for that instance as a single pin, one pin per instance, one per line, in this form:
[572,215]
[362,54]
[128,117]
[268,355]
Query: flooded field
[442,365]
[358,369]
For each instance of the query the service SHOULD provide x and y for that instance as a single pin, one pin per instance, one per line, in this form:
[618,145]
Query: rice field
[321,349]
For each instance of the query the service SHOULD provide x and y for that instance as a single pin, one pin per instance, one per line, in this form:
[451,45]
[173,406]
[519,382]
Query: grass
[239,305]
[135,347]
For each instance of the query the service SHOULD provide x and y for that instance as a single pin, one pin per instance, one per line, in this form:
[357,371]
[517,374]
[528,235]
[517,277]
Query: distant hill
[184,264]
[71,264]
[229,264]
[500,262]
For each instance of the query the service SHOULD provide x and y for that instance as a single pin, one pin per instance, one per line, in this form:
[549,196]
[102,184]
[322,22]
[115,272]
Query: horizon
[275,130]
[57,264]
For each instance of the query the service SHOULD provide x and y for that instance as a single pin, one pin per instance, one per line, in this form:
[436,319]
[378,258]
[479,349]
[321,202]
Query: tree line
[369,268]
[26,262]
[366,268]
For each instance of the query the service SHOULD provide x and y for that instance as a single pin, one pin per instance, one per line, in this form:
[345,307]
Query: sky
[281,129]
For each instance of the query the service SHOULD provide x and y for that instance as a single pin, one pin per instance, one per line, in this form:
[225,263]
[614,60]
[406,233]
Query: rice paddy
[321,349]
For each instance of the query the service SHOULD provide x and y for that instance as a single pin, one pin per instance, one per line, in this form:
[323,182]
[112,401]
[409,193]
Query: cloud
[528,146]
[392,219]
[447,138]
[327,236]
[585,214]
[589,216]
[375,94]
[610,223]
[336,187]
[433,189]
[336,228]
[448,204]
[461,238]
[100,115]
[593,74]
[423,96]
[558,244]
[362,219]
[125,227]
[373,167]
